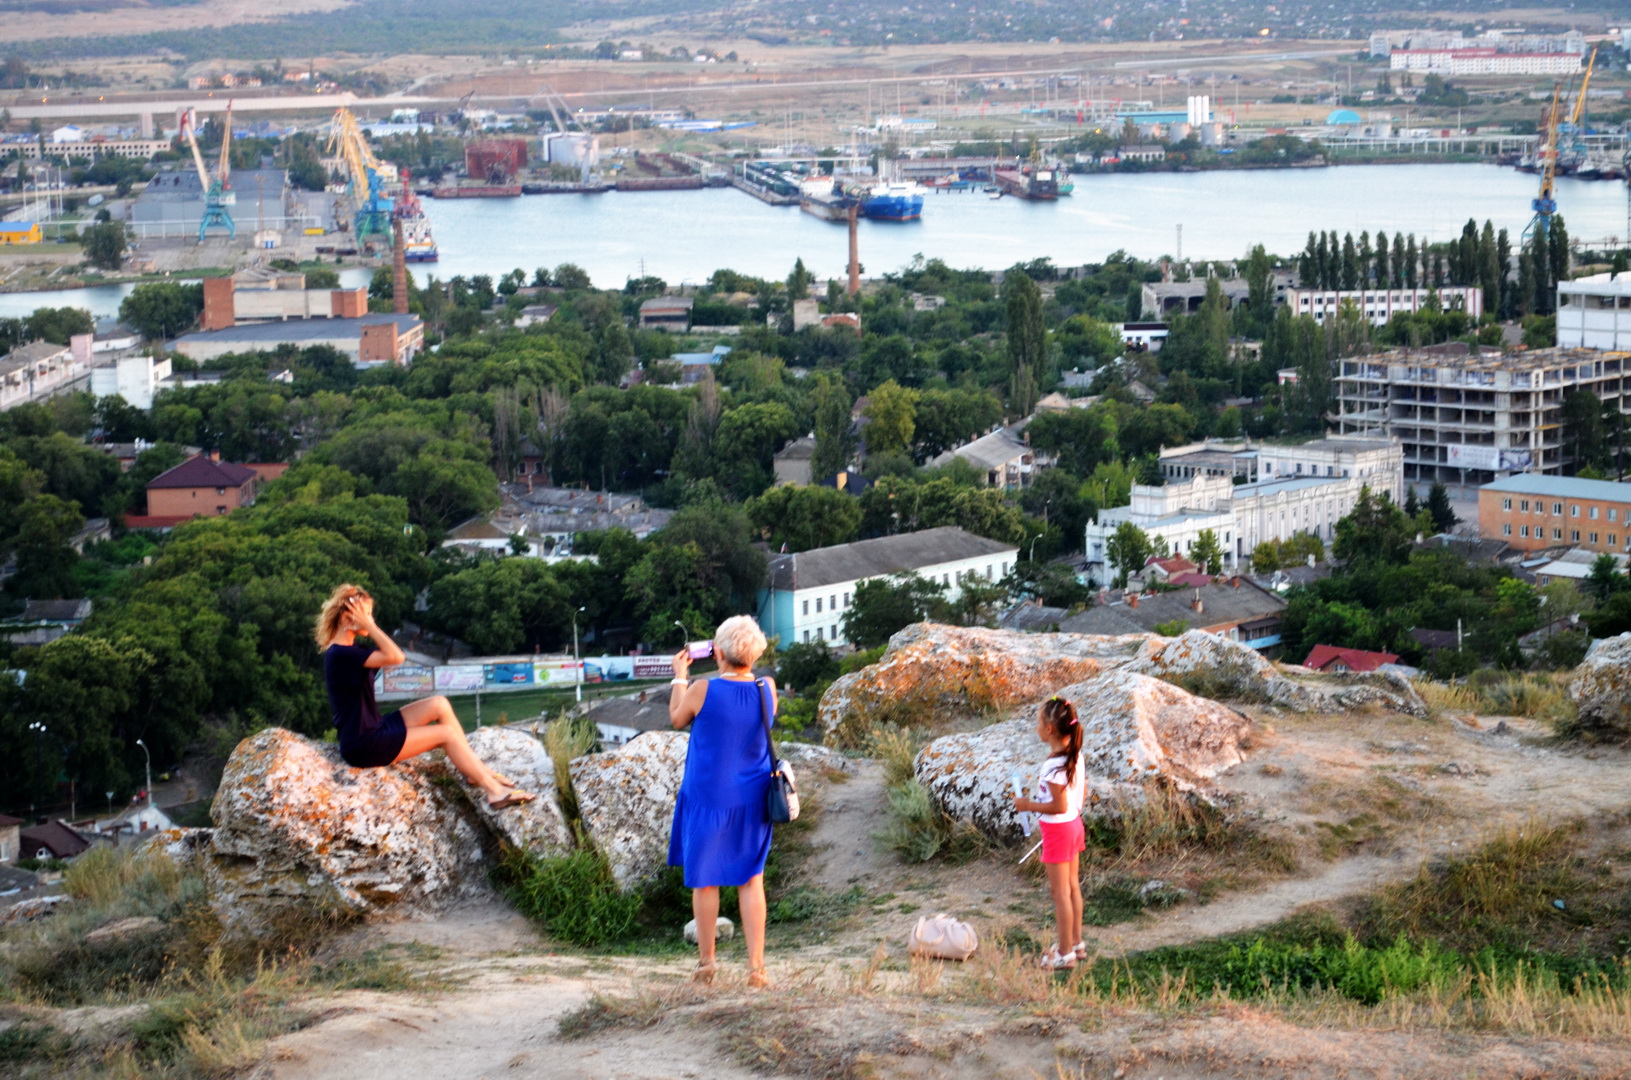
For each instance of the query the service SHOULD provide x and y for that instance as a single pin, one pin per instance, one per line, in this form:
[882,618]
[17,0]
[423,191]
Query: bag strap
[764,716]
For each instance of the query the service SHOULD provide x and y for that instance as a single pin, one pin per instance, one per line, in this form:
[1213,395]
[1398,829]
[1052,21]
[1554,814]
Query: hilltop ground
[1351,806]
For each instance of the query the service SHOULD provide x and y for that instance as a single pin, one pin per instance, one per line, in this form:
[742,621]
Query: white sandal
[1080,950]
[1052,961]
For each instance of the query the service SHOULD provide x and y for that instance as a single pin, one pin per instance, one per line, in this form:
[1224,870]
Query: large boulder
[1136,730]
[626,800]
[1601,689]
[187,848]
[1217,667]
[931,670]
[299,830]
[538,826]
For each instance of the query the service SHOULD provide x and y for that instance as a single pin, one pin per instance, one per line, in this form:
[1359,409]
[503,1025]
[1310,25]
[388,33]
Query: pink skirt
[1062,841]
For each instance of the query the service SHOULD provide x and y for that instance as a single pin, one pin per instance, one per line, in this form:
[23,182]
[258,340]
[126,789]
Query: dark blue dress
[721,835]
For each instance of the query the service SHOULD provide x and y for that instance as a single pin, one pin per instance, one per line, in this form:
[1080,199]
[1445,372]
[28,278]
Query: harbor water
[683,236]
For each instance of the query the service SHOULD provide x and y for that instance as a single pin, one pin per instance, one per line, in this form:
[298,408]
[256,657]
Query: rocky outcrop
[626,799]
[1219,668]
[538,826]
[930,670]
[1601,689]
[296,829]
[1136,730]
[187,848]
[803,755]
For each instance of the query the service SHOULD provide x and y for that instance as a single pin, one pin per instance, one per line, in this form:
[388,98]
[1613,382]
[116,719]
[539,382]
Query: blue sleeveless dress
[721,835]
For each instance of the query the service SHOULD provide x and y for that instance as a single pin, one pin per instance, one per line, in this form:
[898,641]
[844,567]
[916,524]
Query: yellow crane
[370,206]
[1545,203]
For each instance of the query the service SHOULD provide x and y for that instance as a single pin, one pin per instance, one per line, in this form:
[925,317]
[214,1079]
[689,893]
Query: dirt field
[1366,800]
[140,18]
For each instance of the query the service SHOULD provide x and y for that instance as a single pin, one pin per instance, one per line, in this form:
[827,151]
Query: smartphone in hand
[700,650]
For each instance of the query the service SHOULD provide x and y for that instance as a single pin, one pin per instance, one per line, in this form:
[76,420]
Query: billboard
[554,672]
[407,679]
[460,677]
[517,674]
[653,667]
[1490,458]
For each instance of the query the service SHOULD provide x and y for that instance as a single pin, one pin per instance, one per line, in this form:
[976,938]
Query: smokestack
[854,249]
[399,281]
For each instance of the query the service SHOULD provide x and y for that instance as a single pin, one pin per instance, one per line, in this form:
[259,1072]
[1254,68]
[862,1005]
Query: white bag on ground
[724,930]
[942,937]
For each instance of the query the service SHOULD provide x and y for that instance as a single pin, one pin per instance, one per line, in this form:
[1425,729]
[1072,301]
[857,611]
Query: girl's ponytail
[1061,715]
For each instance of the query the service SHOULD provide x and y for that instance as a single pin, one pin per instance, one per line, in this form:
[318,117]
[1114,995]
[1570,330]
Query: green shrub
[918,831]
[574,896]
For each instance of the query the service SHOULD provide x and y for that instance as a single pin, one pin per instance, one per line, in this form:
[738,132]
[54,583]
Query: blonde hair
[740,640]
[328,620]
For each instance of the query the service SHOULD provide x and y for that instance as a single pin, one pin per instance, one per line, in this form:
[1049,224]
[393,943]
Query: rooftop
[990,451]
[1459,355]
[1323,656]
[1598,284]
[667,303]
[878,558]
[1564,487]
[33,352]
[201,472]
[631,712]
[56,611]
[298,330]
[1219,604]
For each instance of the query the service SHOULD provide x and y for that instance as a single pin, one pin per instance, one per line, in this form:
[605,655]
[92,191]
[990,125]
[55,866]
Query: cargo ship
[418,245]
[1028,182]
[478,191]
[894,200]
[823,197]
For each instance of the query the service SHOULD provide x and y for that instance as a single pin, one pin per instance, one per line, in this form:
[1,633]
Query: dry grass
[565,739]
[1540,696]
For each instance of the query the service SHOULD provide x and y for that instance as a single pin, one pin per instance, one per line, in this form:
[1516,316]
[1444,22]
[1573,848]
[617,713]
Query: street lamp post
[1032,556]
[149,757]
[684,633]
[577,664]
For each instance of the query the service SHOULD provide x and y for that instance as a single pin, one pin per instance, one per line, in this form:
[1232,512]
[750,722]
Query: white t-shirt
[1053,774]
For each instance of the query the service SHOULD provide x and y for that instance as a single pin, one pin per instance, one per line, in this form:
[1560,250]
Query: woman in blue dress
[721,833]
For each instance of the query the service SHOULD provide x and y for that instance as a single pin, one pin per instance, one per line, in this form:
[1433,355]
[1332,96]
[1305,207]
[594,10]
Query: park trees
[160,310]
[105,244]
[799,518]
[1127,550]
[883,606]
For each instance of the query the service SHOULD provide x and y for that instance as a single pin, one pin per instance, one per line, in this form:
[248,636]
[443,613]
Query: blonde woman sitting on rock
[369,740]
[721,834]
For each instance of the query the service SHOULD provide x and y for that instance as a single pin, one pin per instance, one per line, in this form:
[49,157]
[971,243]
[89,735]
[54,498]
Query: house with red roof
[1165,568]
[201,486]
[1330,658]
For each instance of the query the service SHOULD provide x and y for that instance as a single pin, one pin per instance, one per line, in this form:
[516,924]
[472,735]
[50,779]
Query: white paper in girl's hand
[1027,821]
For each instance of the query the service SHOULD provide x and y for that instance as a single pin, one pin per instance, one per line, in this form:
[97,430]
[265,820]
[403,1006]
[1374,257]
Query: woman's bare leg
[705,908]
[751,899]
[438,710]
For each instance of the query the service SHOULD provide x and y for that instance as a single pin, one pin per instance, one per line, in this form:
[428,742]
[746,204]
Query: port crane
[1575,127]
[218,193]
[371,208]
[1544,204]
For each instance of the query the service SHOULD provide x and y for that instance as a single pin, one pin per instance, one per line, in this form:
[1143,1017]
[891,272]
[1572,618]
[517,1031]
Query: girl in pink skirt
[1061,788]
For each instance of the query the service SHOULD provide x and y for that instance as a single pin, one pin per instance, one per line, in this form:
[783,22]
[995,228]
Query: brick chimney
[219,313]
[1132,601]
[1234,582]
[854,249]
[399,279]
[1196,605]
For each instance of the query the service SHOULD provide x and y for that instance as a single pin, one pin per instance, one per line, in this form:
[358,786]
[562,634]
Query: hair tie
[1073,720]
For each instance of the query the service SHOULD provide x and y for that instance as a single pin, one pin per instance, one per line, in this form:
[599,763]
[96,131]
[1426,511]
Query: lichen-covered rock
[931,669]
[297,829]
[626,799]
[1135,729]
[184,847]
[537,826]
[803,755]
[1601,688]
[1223,669]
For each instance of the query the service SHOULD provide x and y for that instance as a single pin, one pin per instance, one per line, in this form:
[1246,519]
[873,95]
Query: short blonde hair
[740,641]
[328,620]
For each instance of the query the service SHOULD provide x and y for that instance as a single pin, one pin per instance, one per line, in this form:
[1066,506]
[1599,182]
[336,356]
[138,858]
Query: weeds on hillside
[564,739]
[137,931]
[1502,693]
[918,831]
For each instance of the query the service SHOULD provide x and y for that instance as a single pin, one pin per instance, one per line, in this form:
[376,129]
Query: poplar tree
[1366,257]
[1503,259]
[1410,262]
[1027,339]
[1322,265]
[1350,264]
[1489,269]
[1384,267]
[834,438]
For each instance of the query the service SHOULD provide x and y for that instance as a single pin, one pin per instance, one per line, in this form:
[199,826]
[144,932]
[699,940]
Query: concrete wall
[1553,520]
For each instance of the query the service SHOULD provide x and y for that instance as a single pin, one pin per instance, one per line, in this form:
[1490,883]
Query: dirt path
[847,851]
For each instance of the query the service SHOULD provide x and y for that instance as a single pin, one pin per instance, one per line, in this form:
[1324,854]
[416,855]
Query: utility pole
[577,665]
[149,757]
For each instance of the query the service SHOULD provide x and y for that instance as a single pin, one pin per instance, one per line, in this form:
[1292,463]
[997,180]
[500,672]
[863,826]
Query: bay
[684,236]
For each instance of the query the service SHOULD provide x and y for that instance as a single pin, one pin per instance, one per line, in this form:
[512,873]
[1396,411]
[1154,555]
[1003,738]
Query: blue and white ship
[893,200]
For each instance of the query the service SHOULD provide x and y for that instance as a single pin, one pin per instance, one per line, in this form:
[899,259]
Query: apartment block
[1380,305]
[1466,415]
[1595,312]
[1530,512]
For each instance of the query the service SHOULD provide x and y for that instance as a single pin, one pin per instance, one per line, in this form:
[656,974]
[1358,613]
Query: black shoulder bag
[782,800]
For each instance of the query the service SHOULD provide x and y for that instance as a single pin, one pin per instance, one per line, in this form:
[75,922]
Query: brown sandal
[514,798]
[758,980]
[704,974]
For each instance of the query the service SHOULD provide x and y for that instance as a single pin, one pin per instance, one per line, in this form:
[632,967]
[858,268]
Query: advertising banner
[460,677]
[1473,457]
[653,667]
[518,674]
[616,667]
[554,672]
[592,673]
[407,679]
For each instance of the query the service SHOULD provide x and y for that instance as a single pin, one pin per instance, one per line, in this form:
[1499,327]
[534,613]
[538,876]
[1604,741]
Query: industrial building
[1483,62]
[370,341]
[173,204]
[41,369]
[1595,312]
[1380,305]
[1162,298]
[1467,415]
[1529,512]
[135,378]
[20,232]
